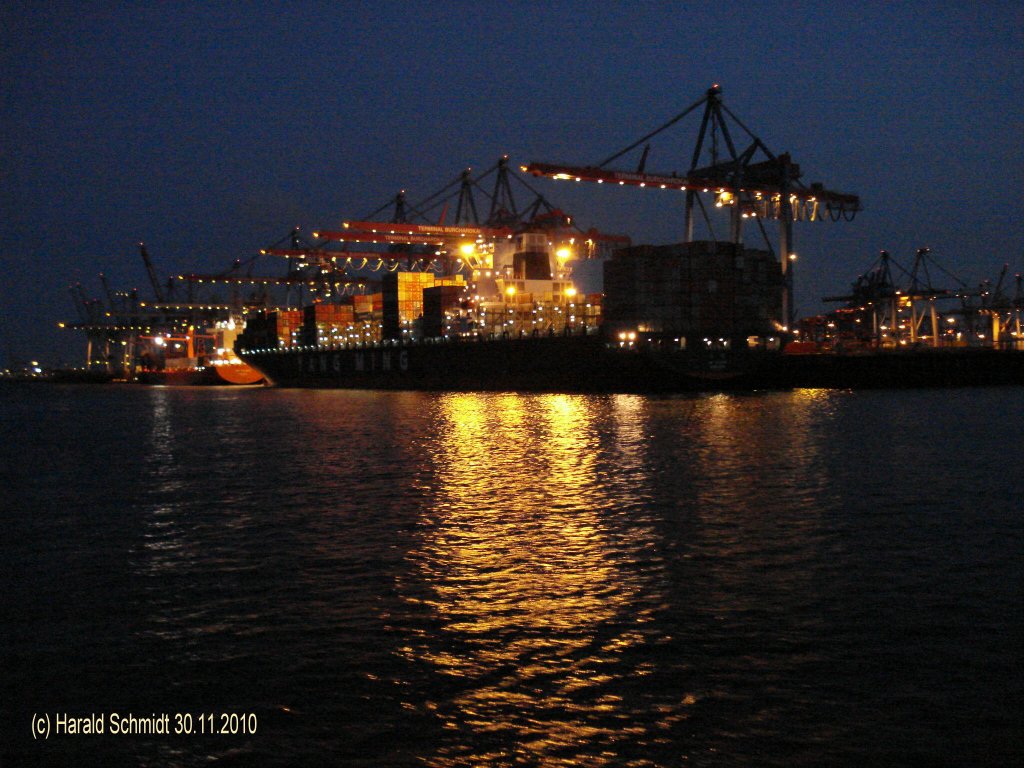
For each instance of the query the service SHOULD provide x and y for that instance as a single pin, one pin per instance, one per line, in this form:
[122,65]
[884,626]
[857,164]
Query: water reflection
[741,446]
[561,630]
[538,597]
[164,544]
[495,580]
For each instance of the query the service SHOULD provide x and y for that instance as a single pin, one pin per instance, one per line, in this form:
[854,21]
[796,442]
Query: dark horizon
[209,133]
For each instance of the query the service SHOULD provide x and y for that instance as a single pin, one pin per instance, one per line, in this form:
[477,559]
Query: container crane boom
[768,189]
[108,292]
[153,279]
[442,231]
[710,179]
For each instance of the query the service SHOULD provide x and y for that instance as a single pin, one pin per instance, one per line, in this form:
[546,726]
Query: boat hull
[589,364]
[231,374]
[540,364]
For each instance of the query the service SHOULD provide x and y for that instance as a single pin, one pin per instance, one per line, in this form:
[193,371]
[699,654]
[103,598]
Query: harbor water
[355,578]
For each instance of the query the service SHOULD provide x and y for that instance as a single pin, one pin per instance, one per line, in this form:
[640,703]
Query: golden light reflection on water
[743,439]
[536,600]
[539,559]
[760,488]
[164,543]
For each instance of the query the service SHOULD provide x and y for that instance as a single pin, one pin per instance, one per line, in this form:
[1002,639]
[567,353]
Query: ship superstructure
[503,310]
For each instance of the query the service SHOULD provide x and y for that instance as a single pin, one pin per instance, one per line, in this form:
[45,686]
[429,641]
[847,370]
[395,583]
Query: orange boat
[217,366]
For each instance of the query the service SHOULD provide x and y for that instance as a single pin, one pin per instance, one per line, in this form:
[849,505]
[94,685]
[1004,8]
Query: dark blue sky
[209,130]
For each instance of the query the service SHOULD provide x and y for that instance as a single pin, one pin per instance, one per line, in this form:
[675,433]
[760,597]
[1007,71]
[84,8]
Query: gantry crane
[751,188]
[419,244]
[151,271]
[116,326]
[885,311]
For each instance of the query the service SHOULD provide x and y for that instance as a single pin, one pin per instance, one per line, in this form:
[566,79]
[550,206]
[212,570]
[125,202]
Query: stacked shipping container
[521,315]
[402,299]
[691,290]
[327,324]
[439,302]
[280,328]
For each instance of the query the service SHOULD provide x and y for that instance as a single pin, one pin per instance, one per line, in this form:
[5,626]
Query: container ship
[518,321]
[159,343]
[697,316]
[503,306]
[437,296]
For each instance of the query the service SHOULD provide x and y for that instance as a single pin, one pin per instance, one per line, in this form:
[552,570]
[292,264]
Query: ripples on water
[805,578]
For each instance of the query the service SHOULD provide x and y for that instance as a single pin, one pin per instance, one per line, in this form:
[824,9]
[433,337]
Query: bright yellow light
[724,198]
[466,249]
[563,253]
[570,291]
[511,290]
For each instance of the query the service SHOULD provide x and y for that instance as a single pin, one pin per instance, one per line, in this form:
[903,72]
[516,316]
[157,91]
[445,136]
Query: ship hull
[554,364]
[231,374]
[589,364]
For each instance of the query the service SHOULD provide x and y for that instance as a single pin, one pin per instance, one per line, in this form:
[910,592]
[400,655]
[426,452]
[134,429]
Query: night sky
[210,130]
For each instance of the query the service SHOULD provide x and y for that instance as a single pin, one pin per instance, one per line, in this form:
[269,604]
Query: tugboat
[196,359]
